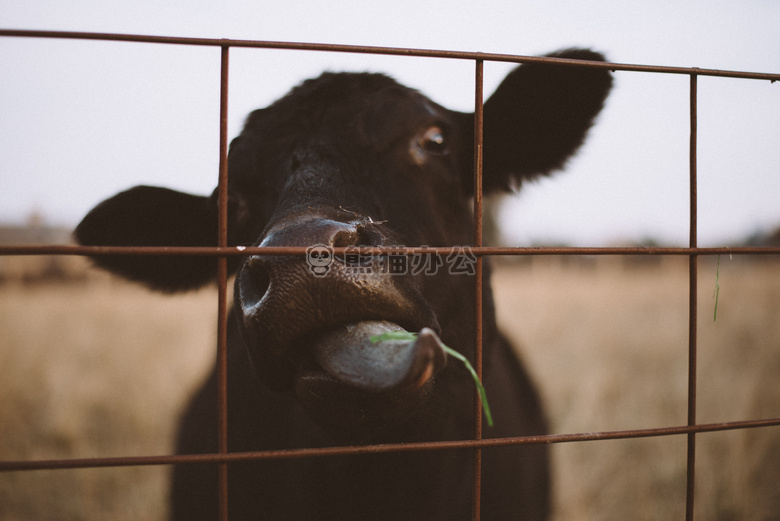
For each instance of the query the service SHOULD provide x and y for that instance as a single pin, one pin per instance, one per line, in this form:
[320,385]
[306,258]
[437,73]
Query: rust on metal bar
[222,276]
[693,303]
[478,135]
[128,461]
[478,127]
[392,51]
[217,251]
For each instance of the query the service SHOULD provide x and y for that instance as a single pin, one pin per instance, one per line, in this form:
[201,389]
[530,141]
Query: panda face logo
[319,258]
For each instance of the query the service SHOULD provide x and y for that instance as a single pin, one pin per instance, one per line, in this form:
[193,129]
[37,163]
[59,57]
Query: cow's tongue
[348,354]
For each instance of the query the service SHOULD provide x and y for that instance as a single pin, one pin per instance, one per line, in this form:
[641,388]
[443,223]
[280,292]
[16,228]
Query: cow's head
[346,160]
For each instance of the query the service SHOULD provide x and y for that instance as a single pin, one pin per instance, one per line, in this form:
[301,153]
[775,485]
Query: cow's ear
[539,116]
[151,216]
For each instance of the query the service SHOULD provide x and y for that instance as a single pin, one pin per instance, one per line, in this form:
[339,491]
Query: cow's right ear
[151,216]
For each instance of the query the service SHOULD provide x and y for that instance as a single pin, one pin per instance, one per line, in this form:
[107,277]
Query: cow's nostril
[253,283]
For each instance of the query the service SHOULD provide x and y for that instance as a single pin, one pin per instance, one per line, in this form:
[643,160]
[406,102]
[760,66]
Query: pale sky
[82,120]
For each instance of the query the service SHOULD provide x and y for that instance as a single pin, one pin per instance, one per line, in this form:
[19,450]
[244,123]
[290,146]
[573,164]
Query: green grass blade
[480,387]
[406,335]
[393,335]
[717,290]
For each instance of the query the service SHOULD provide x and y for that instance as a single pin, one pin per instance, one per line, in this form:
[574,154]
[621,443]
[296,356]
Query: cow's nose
[320,235]
[286,303]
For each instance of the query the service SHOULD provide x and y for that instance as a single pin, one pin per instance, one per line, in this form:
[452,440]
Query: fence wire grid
[222,252]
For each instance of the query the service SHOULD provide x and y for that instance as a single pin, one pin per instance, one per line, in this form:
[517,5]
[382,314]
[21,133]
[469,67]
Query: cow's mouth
[356,355]
[353,366]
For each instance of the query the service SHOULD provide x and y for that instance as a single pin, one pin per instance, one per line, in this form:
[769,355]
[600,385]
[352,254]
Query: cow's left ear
[539,116]
[151,216]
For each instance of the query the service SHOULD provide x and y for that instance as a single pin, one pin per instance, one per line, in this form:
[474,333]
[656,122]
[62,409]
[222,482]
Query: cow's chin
[369,375]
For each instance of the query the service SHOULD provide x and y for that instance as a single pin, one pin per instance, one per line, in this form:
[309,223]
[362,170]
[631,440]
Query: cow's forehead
[338,86]
[340,97]
[363,109]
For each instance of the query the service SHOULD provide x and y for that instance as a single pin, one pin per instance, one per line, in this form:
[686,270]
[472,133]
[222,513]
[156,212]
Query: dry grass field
[95,369]
[102,368]
[608,345]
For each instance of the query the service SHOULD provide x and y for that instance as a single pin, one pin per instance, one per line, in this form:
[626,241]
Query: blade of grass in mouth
[406,335]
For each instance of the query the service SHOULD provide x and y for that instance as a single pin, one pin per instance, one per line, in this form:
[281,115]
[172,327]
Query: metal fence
[222,252]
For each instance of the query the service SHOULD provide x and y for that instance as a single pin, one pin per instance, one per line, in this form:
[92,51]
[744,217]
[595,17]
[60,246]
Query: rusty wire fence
[222,252]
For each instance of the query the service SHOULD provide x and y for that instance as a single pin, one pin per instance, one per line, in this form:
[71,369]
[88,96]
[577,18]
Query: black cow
[345,160]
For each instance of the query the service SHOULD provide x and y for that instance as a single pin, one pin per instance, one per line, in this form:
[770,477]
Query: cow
[347,160]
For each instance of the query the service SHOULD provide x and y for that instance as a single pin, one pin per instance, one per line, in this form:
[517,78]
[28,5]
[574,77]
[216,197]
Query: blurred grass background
[608,344]
[99,367]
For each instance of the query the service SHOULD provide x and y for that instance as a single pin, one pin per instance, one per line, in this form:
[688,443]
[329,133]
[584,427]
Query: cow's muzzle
[308,322]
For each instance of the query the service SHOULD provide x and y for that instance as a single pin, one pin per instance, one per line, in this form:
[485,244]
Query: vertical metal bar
[222,282]
[478,113]
[692,297]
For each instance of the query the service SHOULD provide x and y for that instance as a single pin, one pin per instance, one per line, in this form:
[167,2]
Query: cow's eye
[433,140]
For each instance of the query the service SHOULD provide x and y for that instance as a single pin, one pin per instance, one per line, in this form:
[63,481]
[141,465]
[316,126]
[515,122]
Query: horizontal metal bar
[393,51]
[232,251]
[7,466]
